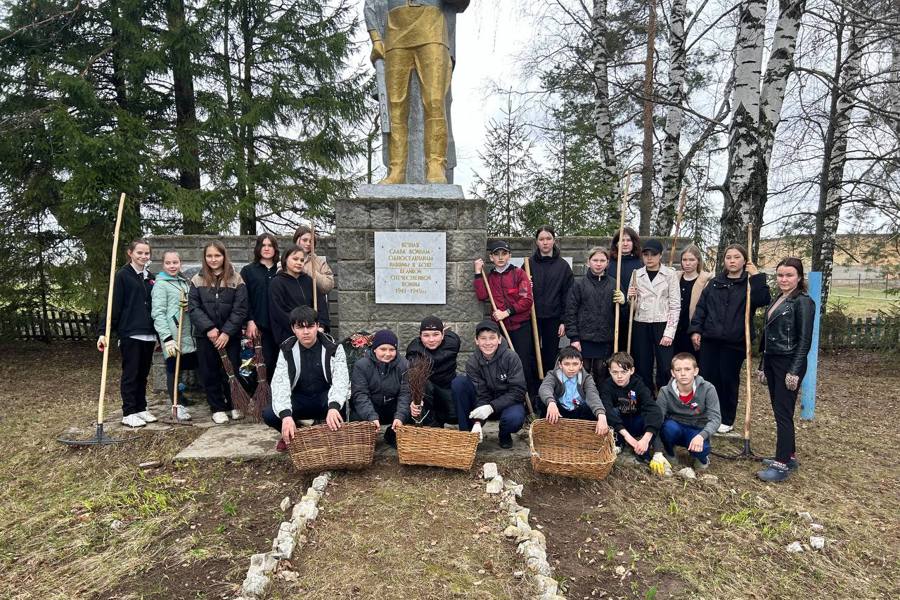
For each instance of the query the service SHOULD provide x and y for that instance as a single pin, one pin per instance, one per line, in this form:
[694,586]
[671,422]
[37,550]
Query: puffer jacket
[222,306]
[373,382]
[702,412]
[553,388]
[287,374]
[166,312]
[590,309]
[443,358]
[512,291]
[720,312]
[788,332]
[499,380]
[551,280]
[658,301]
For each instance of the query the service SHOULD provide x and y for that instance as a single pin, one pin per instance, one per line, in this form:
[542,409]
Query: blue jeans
[674,434]
[511,418]
[303,406]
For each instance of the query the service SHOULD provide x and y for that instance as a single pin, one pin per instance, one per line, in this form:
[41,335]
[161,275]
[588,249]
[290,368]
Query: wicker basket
[318,448]
[571,448]
[436,447]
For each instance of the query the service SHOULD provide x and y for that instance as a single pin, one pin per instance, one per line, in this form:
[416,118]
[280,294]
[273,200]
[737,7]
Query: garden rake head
[100,439]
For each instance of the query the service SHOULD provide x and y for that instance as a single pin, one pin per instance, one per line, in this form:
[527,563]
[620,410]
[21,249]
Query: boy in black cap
[442,347]
[494,386]
[511,290]
[657,297]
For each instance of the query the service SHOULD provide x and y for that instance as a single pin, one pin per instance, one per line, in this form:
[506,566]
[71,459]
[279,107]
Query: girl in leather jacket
[786,340]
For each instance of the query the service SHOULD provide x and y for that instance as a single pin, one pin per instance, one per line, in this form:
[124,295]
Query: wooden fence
[24,325]
[869,334]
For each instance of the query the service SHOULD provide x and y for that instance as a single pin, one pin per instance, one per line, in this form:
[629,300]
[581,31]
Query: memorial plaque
[410,267]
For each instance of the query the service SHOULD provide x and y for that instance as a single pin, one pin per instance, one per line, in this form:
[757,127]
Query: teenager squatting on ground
[133,324]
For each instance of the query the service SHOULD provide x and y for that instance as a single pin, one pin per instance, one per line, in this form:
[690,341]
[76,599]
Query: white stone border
[531,543]
[290,535]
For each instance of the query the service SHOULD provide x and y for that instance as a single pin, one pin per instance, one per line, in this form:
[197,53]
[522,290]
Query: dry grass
[682,539]
[407,533]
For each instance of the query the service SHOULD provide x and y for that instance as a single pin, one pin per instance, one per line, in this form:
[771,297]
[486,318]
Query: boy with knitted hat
[379,390]
[441,346]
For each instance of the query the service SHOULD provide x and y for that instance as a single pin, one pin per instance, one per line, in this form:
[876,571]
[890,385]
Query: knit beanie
[385,336]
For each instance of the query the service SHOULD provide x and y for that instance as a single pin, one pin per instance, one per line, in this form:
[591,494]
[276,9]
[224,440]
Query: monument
[405,246]
[414,52]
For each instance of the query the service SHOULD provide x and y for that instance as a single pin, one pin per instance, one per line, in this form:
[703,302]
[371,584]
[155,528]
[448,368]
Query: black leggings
[137,358]
[720,364]
[645,348]
[523,340]
[784,401]
[548,330]
[212,373]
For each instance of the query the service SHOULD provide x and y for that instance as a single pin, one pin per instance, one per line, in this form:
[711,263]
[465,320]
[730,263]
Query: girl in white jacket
[658,304]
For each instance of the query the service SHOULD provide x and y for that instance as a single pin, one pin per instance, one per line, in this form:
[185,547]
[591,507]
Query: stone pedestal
[437,208]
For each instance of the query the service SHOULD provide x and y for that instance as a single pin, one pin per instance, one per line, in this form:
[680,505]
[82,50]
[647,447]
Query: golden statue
[414,36]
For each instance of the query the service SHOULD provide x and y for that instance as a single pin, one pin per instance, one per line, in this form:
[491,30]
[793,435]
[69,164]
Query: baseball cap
[652,246]
[498,245]
[431,323]
[486,325]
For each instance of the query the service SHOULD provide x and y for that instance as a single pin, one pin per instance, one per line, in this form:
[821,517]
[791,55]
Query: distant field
[860,301]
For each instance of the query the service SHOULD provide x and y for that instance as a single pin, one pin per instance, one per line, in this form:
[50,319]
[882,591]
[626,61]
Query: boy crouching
[569,391]
[690,407]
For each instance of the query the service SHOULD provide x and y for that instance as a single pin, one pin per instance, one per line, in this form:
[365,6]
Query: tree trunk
[186,137]
[646,202]
[843,88]
[248,203]
[670,163]
[602,120]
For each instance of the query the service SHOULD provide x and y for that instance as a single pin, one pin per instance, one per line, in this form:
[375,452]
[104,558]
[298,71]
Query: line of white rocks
[531,543]
[290,536]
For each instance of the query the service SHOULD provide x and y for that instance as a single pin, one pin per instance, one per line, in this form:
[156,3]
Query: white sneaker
[133,421]
[725,428]
[236,415]
[220,418]
[182,414]
[147,416]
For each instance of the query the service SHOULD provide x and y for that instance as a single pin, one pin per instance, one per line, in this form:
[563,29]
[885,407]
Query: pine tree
[509,184]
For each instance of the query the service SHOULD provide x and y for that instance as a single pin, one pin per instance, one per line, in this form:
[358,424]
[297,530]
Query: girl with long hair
[551,280]
[691,282]
[257,276]
[291,288]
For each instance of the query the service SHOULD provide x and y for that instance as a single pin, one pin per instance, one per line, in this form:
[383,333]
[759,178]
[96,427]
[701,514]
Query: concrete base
[233,441]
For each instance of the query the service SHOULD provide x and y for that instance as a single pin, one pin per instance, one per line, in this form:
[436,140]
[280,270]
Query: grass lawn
[860,302]
[94,525]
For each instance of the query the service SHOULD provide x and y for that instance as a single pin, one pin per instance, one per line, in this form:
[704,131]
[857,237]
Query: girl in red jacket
[512,293]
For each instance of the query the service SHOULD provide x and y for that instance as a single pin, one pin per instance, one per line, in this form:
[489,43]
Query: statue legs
[432,64]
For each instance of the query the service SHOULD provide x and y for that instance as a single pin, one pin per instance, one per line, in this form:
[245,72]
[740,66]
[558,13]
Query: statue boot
[436,150]
[398,151]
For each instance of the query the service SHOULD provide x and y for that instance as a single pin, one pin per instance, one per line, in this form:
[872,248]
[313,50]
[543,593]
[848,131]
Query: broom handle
[109,304]
[487,286]
[183,299]
[619,259]
[747,345]
[630,316]
[534,326]
[678,225]
[314,269]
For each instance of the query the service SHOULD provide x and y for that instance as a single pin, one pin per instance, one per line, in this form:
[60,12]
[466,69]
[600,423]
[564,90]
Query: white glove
[618,297]
[171,348]
[482,412]
[659,465]
[476,428]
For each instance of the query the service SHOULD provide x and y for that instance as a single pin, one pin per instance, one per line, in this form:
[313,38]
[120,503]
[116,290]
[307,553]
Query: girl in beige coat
[303,237]
[657,305]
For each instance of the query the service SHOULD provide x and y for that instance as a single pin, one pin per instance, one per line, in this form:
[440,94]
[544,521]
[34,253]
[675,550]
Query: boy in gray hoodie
[569,391]
[690,407]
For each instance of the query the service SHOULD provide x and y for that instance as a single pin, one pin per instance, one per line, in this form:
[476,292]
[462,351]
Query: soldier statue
[415,37]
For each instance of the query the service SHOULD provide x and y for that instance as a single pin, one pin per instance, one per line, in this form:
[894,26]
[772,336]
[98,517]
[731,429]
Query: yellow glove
[618,297]
[660,466]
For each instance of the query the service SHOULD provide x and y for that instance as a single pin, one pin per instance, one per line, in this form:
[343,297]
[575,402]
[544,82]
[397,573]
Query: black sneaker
[792,464]
[506,443]
[775,472]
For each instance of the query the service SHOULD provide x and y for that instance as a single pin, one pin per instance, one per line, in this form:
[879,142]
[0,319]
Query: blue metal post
[808,389]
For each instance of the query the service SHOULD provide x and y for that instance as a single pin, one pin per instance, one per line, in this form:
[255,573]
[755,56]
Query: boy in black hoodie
[630,408]
[442,347]
[494,385]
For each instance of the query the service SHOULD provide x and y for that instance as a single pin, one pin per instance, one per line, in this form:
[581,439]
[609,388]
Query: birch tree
[670,161]
[601,115]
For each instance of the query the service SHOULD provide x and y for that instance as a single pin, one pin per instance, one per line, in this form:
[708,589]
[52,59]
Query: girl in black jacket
[217,304]
[379,390]
[717,328]
[133,325]
[590,317]
[257,276]
[631,262]
[291,288]
[551,280]
[786,340]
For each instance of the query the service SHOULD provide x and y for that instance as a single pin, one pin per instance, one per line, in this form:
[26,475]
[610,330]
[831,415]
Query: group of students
[687,343]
